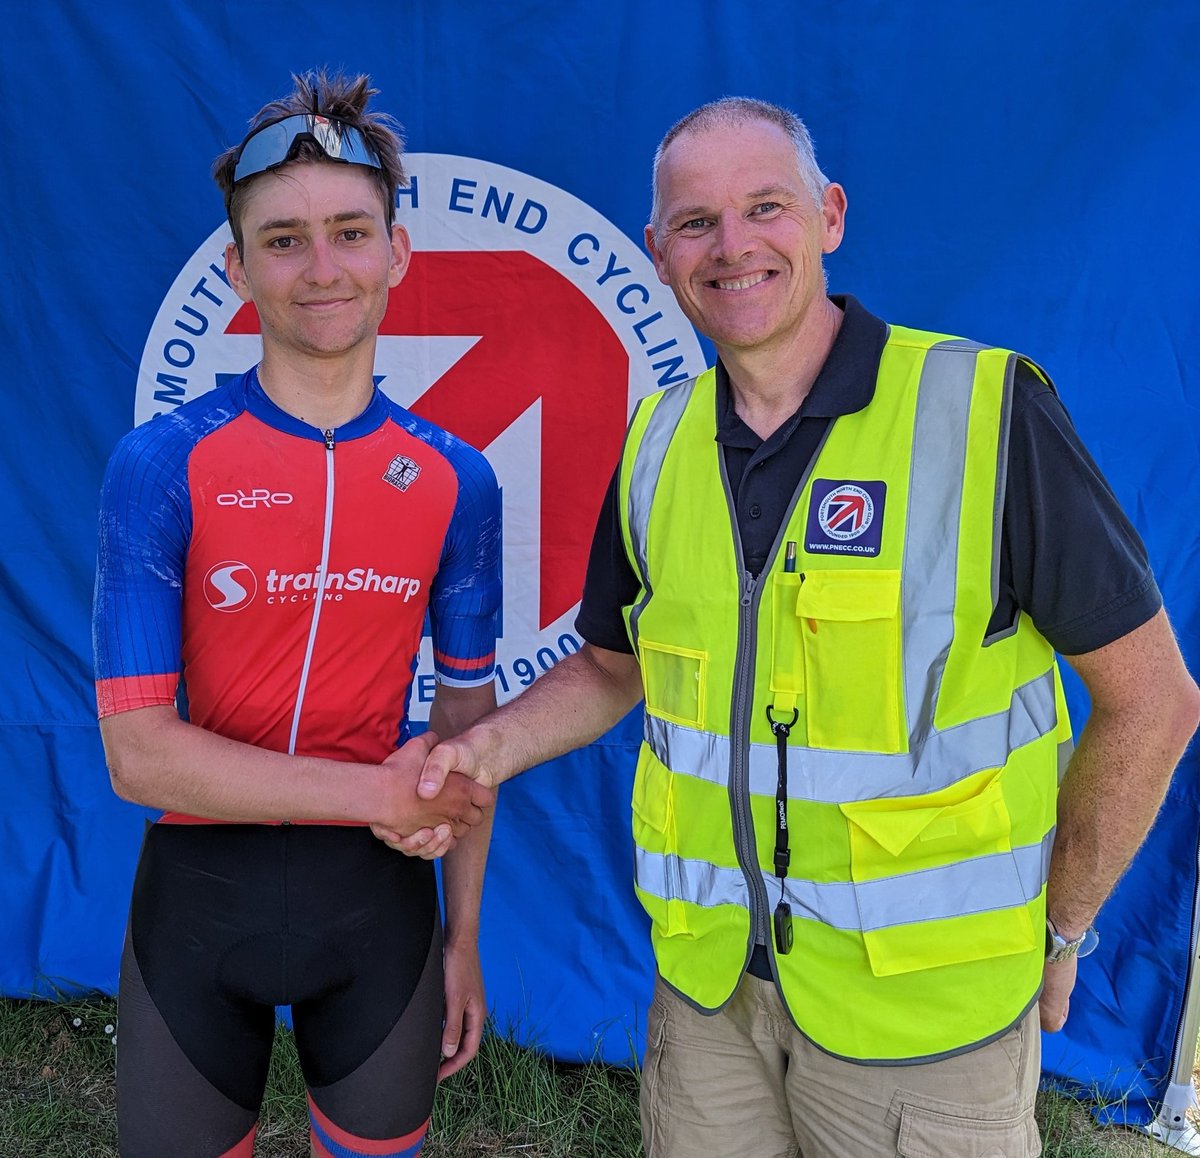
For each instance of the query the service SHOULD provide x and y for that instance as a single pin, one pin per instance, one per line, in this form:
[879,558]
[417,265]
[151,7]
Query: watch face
[1059,949]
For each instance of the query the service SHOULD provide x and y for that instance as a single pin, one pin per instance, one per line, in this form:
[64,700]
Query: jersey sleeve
[1070,558]
[145,525]
[464,605]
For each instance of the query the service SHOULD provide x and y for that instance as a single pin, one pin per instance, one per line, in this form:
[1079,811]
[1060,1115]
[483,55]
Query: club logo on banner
[527,324]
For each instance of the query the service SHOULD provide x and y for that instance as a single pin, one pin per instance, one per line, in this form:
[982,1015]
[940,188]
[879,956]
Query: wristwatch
[1059,949]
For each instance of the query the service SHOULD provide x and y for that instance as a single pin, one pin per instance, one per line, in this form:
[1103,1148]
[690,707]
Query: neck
[325,393]
[769,383]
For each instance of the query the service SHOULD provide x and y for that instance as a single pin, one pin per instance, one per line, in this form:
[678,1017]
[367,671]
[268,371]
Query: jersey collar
[261,406]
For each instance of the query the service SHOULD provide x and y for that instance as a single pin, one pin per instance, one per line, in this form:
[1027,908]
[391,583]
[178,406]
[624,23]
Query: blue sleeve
[145,526]
[464,604]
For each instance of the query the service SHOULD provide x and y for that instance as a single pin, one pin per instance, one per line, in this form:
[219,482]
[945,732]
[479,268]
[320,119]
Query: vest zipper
[319,598]
[739,772]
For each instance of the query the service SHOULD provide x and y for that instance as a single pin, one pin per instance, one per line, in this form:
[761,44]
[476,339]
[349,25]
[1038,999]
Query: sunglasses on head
[276,144]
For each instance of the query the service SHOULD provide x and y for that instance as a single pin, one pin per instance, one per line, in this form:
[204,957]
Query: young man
[295,623]
[829,567]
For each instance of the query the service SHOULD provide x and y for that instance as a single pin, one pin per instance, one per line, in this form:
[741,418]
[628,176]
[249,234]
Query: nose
[733,238]
[323,267]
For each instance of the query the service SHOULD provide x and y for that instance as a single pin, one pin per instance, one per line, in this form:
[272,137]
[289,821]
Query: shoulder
[474,472]
[159,448]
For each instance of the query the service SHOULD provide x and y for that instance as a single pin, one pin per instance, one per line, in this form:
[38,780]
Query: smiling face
[741,241]
[317,260]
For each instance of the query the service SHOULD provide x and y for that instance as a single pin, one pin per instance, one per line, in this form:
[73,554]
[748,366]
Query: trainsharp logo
[520,310]
[230,586]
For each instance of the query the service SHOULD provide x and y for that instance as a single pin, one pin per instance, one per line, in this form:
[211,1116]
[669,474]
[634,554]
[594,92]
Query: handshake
[438,793]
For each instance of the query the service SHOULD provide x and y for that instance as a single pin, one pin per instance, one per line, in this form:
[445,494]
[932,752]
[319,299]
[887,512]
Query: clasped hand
[427,825]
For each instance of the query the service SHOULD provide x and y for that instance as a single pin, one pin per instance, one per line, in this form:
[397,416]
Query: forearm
[575,702]
[453,710]
[159,760]
[462,883]
[1143,714]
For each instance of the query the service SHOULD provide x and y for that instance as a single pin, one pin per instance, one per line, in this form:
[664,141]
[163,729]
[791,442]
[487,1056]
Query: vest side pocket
[944,861]
[673,681]
[849,624]
[657,868]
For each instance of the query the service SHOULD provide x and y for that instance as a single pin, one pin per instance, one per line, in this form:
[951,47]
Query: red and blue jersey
[284,573]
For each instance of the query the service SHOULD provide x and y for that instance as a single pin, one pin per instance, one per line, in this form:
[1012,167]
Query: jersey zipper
[319,598]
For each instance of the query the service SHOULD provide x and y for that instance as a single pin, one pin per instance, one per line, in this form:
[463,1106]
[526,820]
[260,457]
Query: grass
[57,1101]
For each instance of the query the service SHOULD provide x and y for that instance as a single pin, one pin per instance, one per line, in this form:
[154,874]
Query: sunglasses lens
[275,144]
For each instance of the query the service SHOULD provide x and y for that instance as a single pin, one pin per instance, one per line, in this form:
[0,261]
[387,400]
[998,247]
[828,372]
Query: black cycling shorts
[229,921]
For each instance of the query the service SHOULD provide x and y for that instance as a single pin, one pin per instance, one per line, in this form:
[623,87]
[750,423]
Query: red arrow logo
[847,506]
[540,338]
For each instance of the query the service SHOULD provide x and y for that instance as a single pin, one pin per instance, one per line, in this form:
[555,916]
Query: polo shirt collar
[844,385]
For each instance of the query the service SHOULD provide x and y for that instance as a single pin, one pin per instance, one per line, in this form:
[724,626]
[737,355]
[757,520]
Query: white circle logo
[230,586]
[527,324]
[846,512]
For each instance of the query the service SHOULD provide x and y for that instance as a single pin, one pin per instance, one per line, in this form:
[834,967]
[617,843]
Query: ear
[401,255]
[833,210]
[235,270]
[656,255]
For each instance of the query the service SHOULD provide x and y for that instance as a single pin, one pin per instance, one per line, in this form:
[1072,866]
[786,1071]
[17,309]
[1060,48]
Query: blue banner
[1023,174]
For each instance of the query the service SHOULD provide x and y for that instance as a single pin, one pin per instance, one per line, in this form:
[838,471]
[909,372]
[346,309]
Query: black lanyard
[782,917]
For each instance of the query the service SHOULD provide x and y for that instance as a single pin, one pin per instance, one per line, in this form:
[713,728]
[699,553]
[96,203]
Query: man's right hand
[449,760]
[428,824]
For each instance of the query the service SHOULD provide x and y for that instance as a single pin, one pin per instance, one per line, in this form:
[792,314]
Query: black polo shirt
[1069,557]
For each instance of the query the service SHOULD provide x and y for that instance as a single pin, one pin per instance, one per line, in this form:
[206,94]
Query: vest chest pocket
[848,623]
[787,651]
[673,681]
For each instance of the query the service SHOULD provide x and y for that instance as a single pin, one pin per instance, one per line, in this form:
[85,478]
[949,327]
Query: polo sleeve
[611,584]
[1071,558]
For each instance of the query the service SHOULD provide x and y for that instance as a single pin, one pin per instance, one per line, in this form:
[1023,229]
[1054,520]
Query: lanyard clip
[779,728]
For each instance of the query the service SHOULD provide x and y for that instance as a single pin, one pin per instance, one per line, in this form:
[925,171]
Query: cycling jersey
[287,571]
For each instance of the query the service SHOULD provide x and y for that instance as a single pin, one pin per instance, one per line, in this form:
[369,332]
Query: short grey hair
[732,111]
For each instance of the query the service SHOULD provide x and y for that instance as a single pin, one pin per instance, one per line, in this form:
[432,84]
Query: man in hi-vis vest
[838,566]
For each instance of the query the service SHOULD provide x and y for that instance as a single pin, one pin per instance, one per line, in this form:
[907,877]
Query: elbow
[128,769]
[124,780]
[1186,715]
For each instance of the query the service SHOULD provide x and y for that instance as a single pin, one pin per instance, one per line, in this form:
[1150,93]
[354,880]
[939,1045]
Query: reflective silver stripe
[982,884]
[832,777]
[939,450]
[643,479]
[1002,473]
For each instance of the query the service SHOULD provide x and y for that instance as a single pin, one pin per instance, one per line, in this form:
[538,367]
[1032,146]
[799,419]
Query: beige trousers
[745,1081]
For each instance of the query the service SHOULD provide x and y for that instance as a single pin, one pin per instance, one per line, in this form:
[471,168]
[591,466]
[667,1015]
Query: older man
[838,566]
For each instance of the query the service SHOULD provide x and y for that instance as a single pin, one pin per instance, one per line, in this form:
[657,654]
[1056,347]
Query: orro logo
[230,586]
[527,324]
[259,496]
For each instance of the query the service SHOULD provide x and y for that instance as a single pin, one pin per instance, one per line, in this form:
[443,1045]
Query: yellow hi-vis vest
[923,766]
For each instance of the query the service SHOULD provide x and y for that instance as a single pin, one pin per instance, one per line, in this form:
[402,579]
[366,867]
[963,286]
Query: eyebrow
[301,222]
[755,194]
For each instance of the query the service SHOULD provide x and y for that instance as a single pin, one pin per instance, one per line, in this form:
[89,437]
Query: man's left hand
[465,1008]
[1055,1001]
